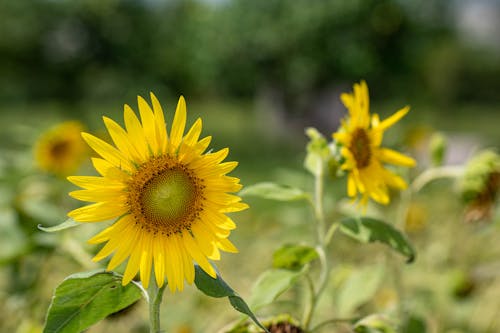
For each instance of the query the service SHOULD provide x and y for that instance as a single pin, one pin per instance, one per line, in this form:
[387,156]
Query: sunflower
[61,150]
[360,136]
[169,197]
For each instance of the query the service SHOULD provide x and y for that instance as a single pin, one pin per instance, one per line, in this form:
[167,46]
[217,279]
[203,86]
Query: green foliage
[83,299]
[273,191]
[360,286]
[369,230]
[375,324]
[318,152]
[271,284]
[414,324]
[69,223]
[438,146]
[219,288]
[293,256]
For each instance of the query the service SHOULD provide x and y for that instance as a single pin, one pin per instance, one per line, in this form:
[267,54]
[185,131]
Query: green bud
[437,146]
[318,152]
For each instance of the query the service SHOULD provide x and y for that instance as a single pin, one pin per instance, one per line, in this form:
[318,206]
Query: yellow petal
[161,127]
[159,261]
[393,119]
[109,171]
[394,157]
[108,152]
[148,123]
[187,261]
[205,240]
[351,186]
[129,241]
[146,260]
[101,194]
[194,133]
[235,207]
[226,245]
[178,125]
[121,140]
[197,255]
[135,133]
[98,212]
[133,263]
[92,182]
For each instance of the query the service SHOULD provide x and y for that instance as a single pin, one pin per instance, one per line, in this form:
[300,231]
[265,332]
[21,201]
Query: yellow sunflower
[61,150]
[168,195]
[361,136]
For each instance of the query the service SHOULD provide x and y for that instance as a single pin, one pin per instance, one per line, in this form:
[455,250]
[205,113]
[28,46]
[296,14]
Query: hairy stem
[155,296]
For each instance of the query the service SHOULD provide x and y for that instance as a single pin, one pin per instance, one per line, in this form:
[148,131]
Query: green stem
[435,173]
[155,296]
[320,248]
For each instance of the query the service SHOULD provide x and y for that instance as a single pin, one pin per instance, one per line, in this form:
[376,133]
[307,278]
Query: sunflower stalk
[155,296]
[322,239]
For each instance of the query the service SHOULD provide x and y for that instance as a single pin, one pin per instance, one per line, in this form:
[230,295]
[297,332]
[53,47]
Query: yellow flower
[61,150]
[169,197]
[361,136]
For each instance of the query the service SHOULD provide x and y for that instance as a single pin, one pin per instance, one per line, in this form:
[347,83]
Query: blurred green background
[258,72]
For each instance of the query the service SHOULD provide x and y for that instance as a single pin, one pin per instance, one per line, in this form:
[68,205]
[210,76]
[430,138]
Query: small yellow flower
[361,136]
[61,150]
[168,196]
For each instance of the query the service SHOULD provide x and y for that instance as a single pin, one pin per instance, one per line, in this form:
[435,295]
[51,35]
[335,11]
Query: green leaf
[219,288]
[369,230]
[271,284]
[83,299]
[293,256]
[414,324]
[374,324]
[360,286]
[69,223]
[273,191]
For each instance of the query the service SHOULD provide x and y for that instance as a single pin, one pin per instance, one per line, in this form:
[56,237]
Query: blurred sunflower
[61,150]
[361,136]
[169,197]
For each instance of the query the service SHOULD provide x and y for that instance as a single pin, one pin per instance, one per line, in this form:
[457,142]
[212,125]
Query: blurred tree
[99,49]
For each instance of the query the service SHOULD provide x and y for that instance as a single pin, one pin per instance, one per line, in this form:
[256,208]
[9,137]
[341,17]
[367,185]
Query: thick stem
[155,296]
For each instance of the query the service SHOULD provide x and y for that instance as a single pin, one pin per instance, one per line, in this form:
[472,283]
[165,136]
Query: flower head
[361,135]
[480,185]
[169,197]
[61,150]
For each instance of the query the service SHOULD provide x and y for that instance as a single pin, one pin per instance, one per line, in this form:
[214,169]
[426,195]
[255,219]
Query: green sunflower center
[360,148]
[168,196]
[164,196]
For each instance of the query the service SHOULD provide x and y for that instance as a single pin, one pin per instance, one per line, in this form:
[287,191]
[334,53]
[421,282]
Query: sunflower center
[360,148]
[59,149]
[165,196]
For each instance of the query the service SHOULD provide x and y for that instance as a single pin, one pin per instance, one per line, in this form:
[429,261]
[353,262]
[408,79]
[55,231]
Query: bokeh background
[258,72]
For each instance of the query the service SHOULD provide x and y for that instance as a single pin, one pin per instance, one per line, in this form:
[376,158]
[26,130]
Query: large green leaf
[219,288]
[359,288]
[69,223]
[271,284]
[293,256]
[273,191]
[368,230]
[83,299]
